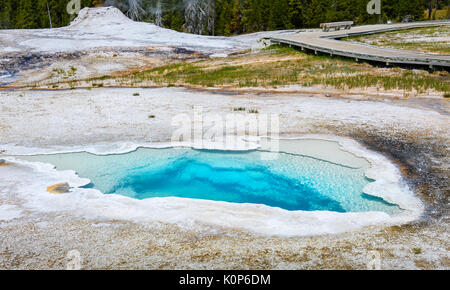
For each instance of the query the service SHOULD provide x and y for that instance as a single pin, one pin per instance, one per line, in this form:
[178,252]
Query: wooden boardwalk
[329,43]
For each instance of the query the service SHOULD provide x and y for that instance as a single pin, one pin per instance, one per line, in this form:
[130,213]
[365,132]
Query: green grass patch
[417,251]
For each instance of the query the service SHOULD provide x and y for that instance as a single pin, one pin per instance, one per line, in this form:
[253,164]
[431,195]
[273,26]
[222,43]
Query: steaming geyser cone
[100,16]
[108,28]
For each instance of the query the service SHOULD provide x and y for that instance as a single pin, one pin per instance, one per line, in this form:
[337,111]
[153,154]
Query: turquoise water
[291,182]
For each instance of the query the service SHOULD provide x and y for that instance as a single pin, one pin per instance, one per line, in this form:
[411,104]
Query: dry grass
[277,67]
[281,66]
[440,14]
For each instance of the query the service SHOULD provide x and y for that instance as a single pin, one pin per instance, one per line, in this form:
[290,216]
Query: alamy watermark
[234,131]
[374,7]
[74,260]
[373,260]
[73,8]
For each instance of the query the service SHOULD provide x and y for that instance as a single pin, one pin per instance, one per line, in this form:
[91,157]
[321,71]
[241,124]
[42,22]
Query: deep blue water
[193,178]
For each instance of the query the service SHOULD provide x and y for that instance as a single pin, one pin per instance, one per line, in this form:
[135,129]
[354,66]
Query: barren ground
[83,117]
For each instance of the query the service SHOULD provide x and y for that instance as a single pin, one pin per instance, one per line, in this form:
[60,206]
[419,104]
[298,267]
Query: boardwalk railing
[328,43]
[336,25]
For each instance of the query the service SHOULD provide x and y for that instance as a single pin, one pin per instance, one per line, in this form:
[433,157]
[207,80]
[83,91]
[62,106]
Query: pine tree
[5,14]
[315,13]
[235,16]
[296,8]
[250,17]
[278,15]
[226,17]
[25,17]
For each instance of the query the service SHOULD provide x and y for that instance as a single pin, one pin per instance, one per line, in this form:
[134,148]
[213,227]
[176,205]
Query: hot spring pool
[292,182]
